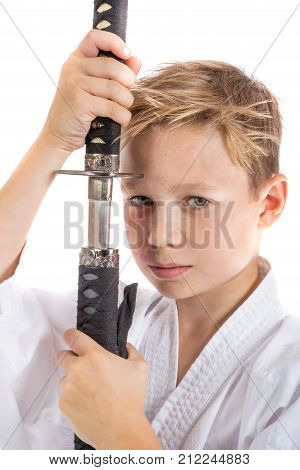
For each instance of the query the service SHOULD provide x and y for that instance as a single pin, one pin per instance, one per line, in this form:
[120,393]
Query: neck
[207,311]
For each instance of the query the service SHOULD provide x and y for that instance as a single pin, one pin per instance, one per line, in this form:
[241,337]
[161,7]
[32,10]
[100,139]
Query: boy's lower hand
[91,86]
[103,395]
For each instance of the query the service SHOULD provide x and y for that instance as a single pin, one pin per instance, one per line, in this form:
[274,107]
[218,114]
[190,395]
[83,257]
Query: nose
[166,225]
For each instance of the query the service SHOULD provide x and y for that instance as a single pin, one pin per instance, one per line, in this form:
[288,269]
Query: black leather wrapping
[101,325]
[117,17]
[108,325]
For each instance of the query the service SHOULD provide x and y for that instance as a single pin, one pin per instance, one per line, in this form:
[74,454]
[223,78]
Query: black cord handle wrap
[98,314]
[114,20]
[108,325]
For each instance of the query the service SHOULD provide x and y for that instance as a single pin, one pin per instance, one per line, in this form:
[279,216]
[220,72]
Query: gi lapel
[174,410]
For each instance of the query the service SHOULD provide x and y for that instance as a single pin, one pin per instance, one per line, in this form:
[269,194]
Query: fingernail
[126,50]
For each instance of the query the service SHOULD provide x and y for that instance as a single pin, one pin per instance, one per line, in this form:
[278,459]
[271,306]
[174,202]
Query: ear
[274,197]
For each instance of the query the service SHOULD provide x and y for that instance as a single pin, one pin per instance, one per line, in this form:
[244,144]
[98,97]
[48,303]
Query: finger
[96,40]
[134,63]
[65,358]
[108,89]
[81,343]
[108,68]
[107,108]
[133,353]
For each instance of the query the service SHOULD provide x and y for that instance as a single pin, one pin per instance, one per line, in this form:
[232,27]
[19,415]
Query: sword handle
[98,314]
[108,16]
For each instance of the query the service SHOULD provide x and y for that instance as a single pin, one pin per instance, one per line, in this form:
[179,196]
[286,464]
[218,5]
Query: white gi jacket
[242,391]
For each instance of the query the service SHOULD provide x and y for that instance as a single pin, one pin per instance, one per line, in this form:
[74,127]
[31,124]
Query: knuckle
[130,99]
[95,356]
[108,62]
[118,71]
[91,34]
[120,94]
[114,111]
[118,113]
[107,66]
[115,40]
[114,89]
[132,76]
[128,76]
[127,118]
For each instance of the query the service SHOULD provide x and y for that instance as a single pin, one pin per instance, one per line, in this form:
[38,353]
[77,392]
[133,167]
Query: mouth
[168,271]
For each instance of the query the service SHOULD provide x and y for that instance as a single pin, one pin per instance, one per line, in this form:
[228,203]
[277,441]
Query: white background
[37,37]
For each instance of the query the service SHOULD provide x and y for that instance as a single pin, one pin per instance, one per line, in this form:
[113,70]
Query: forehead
[186,155]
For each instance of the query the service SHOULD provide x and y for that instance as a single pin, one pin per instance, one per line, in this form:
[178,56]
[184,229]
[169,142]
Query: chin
[174,292]
[176,289]
[171,292]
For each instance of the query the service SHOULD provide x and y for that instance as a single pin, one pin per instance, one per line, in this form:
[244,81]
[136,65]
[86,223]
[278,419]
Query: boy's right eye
[132,201]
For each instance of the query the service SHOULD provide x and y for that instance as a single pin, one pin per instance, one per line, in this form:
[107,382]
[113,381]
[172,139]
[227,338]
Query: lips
[170,265]
[170,272]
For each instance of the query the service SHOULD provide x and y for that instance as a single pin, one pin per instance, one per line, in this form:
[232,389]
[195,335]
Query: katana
[98,314]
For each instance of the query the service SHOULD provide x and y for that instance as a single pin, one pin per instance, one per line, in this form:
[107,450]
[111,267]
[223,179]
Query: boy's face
[192,208]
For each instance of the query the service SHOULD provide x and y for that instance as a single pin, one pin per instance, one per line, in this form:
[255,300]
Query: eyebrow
[199,184]
[134,184]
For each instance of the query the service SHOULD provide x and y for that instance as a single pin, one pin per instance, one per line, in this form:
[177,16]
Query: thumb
[79,342]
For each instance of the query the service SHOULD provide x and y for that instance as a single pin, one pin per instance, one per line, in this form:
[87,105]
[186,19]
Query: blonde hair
[218,94]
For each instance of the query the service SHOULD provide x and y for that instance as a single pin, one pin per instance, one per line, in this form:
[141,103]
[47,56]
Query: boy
[222,350]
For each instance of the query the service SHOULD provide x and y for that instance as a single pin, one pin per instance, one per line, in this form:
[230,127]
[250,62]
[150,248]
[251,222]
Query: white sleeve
[28,315]
[284,431]
[30,325]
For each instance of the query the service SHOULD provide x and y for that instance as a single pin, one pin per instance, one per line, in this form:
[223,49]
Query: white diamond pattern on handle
[97,140]
[90,294]
[104,7]
[89,276]
[89,310]
[103,24]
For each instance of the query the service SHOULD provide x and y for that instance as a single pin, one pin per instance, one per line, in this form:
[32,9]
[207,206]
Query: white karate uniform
[242,391]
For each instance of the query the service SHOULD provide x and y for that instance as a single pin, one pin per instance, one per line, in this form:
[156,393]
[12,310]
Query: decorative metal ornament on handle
[98,314]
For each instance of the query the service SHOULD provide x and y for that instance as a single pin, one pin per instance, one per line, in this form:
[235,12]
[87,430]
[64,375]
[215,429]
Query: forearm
[21,197]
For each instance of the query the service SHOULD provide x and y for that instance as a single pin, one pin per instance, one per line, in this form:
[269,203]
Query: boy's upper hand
[91,86]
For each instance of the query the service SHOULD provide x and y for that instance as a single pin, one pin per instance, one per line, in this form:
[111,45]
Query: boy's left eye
[140,201]
[199,201]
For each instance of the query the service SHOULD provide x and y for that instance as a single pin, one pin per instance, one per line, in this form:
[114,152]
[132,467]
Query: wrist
[49,152]
[146,438]
[137,434]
